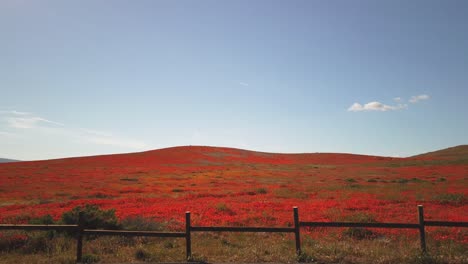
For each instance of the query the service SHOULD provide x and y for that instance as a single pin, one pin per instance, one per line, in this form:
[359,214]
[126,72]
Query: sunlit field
[232,187]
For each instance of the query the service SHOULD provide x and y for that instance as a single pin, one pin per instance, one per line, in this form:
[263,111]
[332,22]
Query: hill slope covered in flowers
[225,186]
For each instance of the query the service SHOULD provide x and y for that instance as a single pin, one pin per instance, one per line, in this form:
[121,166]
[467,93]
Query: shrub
[12,242]
[33,242]
[93,217]
[261,190]
[37,242]
[43,220]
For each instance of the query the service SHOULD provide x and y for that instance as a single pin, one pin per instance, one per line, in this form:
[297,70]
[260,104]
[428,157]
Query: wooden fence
[81,231]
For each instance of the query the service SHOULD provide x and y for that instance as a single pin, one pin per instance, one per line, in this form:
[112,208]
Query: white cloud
[25,120]
[29,122]
[244,84]
[397,99]
[374,106]
[417,98]
[14,112]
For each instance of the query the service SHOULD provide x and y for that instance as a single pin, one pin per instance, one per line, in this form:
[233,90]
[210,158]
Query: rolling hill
[226,186]
[7,160]
[457,152]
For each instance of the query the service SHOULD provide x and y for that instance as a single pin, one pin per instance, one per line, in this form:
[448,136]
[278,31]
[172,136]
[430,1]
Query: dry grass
[243,247]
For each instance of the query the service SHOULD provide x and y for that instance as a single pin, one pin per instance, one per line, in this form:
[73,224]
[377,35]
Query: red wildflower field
[223,186]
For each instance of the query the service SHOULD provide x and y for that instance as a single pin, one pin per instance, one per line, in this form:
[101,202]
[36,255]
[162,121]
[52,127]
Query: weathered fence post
[79,238]
[297,230]
[422,232]
[188,240]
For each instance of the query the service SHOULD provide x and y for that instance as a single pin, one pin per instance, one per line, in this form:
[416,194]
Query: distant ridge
[203,155]
[7,160]
[195,154]
[457,152]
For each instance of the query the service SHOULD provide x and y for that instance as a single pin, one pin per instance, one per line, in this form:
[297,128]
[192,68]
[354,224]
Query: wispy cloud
[244,84]
[375,106]
[378,106]
[14,112]
[16,121]
[30,122]
[25,120]
[417,98]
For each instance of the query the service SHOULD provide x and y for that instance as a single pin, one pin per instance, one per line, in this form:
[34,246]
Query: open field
[232,187]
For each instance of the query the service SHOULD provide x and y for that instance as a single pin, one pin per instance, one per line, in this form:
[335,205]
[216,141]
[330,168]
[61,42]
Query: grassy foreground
[235,247]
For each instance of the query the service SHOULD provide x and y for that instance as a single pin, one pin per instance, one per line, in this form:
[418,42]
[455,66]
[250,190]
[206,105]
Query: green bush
[43,220]
[93,217]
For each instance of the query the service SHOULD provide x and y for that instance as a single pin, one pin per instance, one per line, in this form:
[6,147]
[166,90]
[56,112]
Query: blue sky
[93,77]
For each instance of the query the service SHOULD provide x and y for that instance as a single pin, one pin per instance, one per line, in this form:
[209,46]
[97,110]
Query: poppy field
[233,187]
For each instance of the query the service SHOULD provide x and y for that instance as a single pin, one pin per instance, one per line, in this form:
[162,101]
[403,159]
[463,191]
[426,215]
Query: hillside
[236,187]
[205,155]
[453,153]
[7,160]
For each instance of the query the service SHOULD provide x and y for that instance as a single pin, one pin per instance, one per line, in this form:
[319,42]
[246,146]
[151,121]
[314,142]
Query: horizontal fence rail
[80,230]
[351,224]
[132,233]
[39,227]
[242,229]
